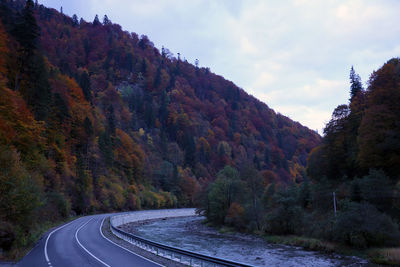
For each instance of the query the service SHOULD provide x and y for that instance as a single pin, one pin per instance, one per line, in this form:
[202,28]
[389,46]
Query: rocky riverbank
[191,234]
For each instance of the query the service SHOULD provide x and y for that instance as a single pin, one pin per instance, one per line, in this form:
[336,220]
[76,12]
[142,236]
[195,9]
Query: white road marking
[101,226]
[47,240]
[80,244]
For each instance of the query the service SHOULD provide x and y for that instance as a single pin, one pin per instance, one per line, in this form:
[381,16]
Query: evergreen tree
[60,108]
[75,21]
[31,77]
[96,21]
[84,83]
[6,15]
[267,157]
[106,21]
[111,121]
[256,162]
[163,111]
[355,84]
[190,150]
[38,90]
[143,69]
[88,127]
[26,30]
[106,147]
[157,79]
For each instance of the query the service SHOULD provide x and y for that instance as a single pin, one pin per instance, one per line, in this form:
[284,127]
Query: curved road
[81,243]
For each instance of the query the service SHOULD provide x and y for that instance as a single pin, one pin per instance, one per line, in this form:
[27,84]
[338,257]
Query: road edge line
[101,226]
[47,240]
[80,244]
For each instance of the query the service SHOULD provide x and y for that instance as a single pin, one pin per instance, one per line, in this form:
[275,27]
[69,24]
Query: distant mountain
[94,118]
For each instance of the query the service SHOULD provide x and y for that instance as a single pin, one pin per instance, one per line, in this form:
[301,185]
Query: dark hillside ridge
[120,125]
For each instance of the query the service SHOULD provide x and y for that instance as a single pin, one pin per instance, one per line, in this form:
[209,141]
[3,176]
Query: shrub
[7,235]
[235,215]
[287,217]
[57,205]
[362,225]
[321,227]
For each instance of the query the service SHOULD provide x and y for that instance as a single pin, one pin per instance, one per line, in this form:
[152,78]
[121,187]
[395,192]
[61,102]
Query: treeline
[96,119]
[351,192]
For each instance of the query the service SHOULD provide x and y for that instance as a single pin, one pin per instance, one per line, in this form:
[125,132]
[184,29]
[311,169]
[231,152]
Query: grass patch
[389,256]
[305,242]
[226,230]
[384,256]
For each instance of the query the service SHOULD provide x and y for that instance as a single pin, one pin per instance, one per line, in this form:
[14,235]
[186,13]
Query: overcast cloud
[293,55]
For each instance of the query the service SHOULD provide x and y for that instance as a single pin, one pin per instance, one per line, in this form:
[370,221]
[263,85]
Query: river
[190,234]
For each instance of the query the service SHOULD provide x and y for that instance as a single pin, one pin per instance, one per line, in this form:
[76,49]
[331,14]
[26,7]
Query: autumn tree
[20,196]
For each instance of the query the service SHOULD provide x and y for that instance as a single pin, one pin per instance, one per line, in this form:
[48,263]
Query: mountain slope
[121,125]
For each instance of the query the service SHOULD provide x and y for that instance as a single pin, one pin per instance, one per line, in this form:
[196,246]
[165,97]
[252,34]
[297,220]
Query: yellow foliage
[116,194]
[126,140]
[17,125]
[141,132]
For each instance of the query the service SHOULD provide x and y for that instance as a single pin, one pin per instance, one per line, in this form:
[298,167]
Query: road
[81,243]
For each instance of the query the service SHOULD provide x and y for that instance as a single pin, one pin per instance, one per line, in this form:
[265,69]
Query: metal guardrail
[183,256]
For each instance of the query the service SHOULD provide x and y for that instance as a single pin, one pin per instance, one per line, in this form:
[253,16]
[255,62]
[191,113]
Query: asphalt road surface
[81,243]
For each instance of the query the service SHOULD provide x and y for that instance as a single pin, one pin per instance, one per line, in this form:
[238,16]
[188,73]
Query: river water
[190,234]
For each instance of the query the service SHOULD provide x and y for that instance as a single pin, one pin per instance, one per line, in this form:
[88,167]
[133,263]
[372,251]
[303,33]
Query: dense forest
[97,119]
[352,188]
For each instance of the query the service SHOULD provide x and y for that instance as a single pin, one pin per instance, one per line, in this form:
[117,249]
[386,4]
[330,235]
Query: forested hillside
[352,188]
[97,119]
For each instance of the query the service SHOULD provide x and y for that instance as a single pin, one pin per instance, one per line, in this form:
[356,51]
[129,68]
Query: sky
[294,55]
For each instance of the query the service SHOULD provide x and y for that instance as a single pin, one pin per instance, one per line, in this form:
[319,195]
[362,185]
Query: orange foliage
[17,124]
[269,177]
[235,215]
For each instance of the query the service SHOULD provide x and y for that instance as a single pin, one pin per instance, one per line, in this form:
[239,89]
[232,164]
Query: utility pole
[334,202]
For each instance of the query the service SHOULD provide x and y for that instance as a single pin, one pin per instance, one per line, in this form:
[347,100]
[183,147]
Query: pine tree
[106,20]
[31,77]
[84,83]
[111,127]
[96,21]
[60,108]
[38,93]
[26,32]
[355,84]
[163,111]
[190,150]
[75,21]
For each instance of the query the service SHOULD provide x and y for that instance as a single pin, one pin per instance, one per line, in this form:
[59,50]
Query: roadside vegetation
[96,119]
[349,199]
